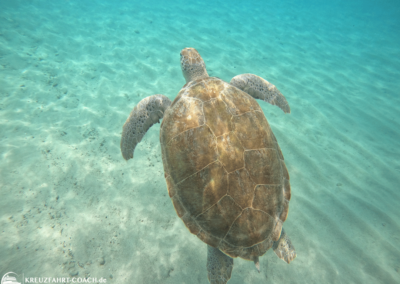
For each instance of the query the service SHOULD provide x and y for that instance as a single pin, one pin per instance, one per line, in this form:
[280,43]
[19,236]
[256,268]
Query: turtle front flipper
[219,266]
[147,112]
[261,89]
[284,248]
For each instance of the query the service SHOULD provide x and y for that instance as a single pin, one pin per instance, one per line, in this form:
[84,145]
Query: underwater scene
[257,103]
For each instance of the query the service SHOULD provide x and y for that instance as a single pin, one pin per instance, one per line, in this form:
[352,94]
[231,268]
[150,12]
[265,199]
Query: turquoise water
[70,73]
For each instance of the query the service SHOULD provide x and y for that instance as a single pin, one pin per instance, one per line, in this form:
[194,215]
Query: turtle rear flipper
[219,266]
[284,248]
[261,89]
[147,112]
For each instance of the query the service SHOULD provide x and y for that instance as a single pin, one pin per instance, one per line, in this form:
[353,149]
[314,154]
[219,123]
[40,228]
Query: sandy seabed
[70,73]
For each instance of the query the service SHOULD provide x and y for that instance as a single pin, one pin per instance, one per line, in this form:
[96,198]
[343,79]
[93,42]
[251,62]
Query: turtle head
[193,66]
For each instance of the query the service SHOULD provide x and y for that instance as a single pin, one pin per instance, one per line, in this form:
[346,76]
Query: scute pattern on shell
[224,169]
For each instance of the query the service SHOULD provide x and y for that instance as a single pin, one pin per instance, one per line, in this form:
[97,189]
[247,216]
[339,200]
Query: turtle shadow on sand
[223,166]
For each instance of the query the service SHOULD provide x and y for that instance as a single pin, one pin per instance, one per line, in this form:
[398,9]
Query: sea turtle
[223,166]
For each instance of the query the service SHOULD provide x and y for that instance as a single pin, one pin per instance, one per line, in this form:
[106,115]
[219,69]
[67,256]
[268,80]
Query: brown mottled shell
[224,169]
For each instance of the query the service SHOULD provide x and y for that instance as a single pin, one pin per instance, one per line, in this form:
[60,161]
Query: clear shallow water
[71,71]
